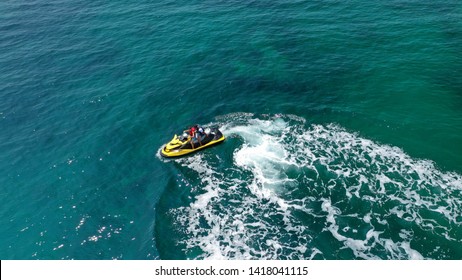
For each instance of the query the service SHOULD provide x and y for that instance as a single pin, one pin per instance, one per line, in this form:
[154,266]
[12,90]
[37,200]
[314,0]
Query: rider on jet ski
[191,140]
[196,134]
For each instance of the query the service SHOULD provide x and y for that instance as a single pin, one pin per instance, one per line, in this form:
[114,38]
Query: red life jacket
[192,131]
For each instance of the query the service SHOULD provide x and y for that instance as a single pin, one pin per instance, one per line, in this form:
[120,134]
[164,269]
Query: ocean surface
[343,122]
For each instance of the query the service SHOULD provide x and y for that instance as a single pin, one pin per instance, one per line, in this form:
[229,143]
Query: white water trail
[287,179]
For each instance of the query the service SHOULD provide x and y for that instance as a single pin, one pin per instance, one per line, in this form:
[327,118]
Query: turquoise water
[343,125]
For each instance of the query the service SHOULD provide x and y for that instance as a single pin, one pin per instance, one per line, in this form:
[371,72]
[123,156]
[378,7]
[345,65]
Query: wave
[297,191]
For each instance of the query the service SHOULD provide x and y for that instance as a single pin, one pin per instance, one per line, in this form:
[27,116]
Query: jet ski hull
[185,147]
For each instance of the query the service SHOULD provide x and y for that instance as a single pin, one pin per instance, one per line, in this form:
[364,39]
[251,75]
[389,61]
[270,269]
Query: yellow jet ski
[185,144]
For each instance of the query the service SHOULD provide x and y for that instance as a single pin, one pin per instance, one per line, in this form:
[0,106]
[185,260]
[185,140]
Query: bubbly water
[297,191]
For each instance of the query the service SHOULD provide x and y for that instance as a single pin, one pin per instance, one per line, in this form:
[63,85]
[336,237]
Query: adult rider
[195,133]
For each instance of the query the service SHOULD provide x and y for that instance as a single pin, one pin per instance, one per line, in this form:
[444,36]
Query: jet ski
[185,144]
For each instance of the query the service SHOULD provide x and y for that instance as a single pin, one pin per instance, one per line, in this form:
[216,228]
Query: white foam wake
[298,192]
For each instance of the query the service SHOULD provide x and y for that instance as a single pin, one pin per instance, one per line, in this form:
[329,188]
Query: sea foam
[301,192]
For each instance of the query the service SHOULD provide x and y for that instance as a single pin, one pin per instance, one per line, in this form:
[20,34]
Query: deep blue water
[343,125]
